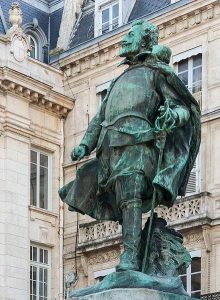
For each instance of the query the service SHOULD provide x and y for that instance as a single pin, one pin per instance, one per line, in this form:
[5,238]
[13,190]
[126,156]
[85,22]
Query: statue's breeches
[128,171]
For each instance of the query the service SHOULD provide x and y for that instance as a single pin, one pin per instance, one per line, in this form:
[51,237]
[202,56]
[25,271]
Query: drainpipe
[61,215]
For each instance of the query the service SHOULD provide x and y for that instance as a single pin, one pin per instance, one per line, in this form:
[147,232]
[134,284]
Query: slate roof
[145,7]
[55,21]
[84,29]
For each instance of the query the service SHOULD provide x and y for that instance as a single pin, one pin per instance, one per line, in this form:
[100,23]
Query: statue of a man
[119,183]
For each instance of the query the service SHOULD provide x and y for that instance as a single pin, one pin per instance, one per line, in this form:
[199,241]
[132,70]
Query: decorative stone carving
[50,100]
[182,210]
[15,15]
[19,43]
[99,231]
[193,238]
[103,257]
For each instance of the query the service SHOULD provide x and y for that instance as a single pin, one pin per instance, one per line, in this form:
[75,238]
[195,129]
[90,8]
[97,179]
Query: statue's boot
[131,231]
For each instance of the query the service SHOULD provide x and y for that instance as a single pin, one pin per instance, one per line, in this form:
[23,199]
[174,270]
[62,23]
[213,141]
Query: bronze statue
[147,135]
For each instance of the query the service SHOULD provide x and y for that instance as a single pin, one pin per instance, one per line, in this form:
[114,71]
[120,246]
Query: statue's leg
[129,191]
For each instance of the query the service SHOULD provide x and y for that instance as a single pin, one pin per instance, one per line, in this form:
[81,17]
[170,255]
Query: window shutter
[193,184]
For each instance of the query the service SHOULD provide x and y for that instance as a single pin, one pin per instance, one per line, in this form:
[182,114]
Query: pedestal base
[134,294]
[134,281]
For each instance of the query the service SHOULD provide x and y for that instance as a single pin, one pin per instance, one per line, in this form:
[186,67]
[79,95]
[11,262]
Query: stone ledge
[134,294]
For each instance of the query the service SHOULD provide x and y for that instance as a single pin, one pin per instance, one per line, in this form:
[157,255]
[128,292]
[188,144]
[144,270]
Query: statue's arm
[91,136]
[180,112]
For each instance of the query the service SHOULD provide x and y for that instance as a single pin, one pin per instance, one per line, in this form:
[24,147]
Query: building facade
[33,107]
[57,61]
[191,29]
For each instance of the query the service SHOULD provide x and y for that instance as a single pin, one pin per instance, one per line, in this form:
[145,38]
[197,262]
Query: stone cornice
[170,24]
[34,91]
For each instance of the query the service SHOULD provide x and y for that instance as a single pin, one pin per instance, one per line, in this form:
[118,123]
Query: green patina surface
[147,136]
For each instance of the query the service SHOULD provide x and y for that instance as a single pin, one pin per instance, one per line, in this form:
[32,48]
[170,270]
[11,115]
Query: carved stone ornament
[15,15]
[19,46]
[19,42]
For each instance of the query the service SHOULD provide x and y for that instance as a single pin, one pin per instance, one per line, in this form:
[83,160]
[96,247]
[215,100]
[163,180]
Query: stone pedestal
[134,294]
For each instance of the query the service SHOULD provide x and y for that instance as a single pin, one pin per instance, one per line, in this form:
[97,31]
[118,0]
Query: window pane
[43,187]
[44,160]
[41,255]
[45,275]
[197,60]
[197,74]
[33,52]
[196,282]
[184,77]
[45,289]
[33,185]
[105,16]
[31,249]
[41,292]
[196,265]
[34,157]
[46,256]
[34,254]
[115,11]
[103,94]
[183,65]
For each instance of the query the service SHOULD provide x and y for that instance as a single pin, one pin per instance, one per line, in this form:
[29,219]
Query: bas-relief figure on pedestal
[147,135]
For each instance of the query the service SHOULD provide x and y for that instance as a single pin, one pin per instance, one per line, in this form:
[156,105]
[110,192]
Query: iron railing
[214,296]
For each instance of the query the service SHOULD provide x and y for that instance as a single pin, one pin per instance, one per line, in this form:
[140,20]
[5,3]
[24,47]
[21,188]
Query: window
[39,273]
[34,47]
[40,178]
[110,17]
[191,278]
[190,71]
[101,90]
[102,95]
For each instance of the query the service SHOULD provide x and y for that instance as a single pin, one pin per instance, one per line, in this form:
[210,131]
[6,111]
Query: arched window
[38,41]
[34,47]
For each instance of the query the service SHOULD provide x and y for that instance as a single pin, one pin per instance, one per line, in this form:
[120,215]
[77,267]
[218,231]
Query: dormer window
[110,17]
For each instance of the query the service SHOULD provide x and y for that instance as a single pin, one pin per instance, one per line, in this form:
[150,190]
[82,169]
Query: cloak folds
[179,154]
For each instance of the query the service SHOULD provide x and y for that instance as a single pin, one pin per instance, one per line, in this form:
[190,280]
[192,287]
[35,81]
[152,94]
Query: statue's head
[141,37]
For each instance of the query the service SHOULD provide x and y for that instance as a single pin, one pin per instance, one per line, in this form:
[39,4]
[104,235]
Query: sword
[161,131]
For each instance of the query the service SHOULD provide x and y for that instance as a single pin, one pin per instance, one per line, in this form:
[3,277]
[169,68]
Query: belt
[124,115]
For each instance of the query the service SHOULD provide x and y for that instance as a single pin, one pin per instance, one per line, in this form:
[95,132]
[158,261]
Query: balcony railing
[214,296]
[185,213]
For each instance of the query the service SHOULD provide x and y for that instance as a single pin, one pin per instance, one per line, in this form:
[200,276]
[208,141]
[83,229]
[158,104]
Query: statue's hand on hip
[167,119]
[78,153]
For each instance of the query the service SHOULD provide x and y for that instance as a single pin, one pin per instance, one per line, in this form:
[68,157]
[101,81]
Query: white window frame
[189,55]
[196,253]
[39,265]
[100,88]
[49,192]
[102,5]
